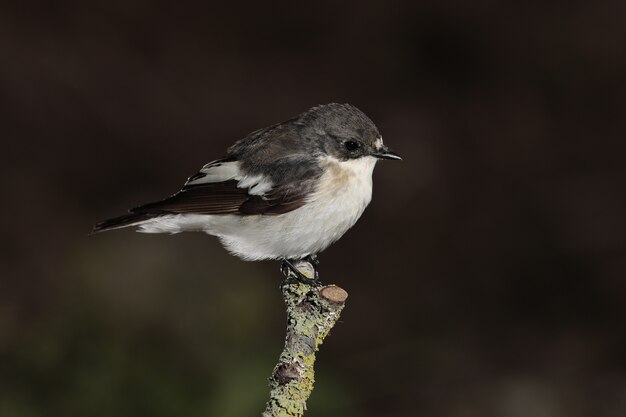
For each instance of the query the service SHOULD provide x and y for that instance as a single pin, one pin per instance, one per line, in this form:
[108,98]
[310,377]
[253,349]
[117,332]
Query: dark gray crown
[328,129]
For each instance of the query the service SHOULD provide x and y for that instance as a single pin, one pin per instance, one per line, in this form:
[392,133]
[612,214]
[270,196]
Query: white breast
[344,190]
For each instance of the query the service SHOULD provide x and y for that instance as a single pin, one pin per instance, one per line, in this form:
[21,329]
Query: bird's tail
[130,219]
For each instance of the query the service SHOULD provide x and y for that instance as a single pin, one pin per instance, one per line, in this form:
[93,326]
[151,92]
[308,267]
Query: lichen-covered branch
[311,313]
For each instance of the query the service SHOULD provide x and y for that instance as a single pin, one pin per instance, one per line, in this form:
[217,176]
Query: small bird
[283,192]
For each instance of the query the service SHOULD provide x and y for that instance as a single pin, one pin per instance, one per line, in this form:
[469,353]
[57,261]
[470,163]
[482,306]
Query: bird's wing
[223,187]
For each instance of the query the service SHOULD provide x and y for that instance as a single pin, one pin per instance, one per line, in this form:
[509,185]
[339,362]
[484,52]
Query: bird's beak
[384,153]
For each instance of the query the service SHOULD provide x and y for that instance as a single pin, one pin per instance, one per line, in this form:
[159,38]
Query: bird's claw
[289,270]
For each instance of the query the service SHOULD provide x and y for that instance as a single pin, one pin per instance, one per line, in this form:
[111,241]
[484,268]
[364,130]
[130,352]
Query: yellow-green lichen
[310,318]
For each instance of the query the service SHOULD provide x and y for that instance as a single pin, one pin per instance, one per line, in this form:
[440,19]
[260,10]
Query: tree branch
[311,313]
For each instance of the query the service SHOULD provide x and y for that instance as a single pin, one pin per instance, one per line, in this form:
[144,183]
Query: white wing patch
[218,171]
[256,184]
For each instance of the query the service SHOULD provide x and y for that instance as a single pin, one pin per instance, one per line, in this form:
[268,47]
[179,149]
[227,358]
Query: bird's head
[345,132]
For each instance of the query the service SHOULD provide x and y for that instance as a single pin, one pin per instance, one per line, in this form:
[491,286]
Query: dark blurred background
[487,277]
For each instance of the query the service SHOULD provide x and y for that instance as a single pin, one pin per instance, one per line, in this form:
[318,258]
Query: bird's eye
[352,145]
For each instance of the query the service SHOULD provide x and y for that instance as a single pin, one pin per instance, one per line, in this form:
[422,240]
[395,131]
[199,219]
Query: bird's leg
[288,269]
[315,263]
[312,259]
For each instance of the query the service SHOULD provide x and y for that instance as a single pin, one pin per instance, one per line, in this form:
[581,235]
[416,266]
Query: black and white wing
[224,187]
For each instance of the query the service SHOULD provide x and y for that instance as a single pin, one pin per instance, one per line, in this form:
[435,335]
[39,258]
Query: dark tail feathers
[123,221]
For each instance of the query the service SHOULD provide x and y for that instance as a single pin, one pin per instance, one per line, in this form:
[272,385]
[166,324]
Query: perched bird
[283,192]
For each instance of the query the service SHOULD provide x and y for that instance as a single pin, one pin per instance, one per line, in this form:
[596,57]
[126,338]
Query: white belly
[344,191]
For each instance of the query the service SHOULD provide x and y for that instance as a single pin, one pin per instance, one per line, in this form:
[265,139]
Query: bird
[284,192]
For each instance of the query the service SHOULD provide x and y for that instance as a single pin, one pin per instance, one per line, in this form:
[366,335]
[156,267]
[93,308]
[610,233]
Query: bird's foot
[291,271]
[312,259]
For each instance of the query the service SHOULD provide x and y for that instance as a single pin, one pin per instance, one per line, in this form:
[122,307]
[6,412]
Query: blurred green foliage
[136,337]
